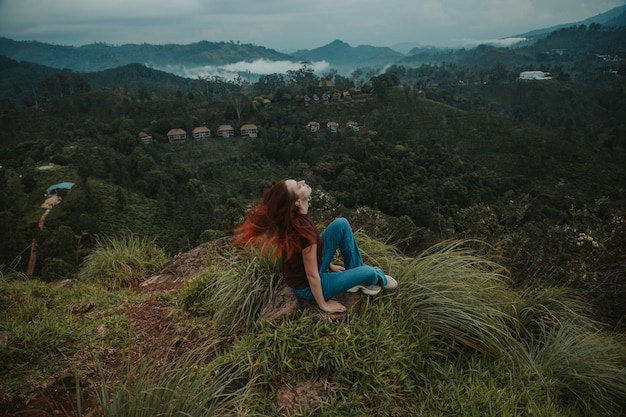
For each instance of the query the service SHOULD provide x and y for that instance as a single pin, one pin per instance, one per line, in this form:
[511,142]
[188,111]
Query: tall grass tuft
[461,296]
[539,310]
[547,332]
[120,262]
[235,295]
[183,386]
[582,369]
[9,274]
[377,253]
[580,364]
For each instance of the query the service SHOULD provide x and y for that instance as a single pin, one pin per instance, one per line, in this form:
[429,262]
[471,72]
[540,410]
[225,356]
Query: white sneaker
[370,289]
[366,289]
[392,284]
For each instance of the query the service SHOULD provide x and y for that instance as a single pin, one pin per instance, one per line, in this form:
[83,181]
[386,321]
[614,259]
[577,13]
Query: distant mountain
[178,58]
[346,58]
[406,47]
[137,76]
[11,70]
[537,42]
[613,18]
[617,21]
[100,56]
[573,43]
[20,81]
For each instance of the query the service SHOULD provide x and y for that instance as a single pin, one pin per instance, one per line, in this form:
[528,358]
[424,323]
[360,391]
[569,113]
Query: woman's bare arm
[309,256]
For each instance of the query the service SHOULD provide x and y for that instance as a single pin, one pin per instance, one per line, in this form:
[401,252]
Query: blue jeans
[338,235]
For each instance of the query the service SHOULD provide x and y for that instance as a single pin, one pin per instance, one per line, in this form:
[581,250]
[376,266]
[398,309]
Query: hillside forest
[533,170]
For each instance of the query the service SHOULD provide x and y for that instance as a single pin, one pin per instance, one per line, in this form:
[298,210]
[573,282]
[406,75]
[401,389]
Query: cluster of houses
[332,126]
[178,135]
[327,97]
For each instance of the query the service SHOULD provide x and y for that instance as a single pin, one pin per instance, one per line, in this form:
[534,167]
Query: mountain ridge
[615,17]
[105,56]
[343,56]
[338,54]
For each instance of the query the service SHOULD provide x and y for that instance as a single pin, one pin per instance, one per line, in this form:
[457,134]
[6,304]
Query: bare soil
[155,334]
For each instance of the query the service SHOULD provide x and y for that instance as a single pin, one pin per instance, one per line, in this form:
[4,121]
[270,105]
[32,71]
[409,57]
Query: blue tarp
[61,185]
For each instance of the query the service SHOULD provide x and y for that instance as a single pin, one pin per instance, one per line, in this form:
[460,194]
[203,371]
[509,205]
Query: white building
[534,75]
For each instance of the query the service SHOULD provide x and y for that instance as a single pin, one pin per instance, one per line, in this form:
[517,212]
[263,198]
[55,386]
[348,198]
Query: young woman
[281,224]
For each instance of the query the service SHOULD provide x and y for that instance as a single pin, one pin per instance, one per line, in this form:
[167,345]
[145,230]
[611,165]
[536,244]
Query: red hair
[275,225]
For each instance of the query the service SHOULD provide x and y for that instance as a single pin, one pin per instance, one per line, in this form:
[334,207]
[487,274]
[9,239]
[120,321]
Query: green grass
[174,386]
[233,296]
[453,339]
[462,296]
[47,325]
[380,254]
[374,365]
[582,369]
[124,261]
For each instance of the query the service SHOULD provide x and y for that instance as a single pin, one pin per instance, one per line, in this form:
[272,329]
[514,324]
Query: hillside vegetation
[498,205]
[453,339]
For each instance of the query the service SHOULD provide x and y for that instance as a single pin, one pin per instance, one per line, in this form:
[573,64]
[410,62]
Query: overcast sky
[286,25]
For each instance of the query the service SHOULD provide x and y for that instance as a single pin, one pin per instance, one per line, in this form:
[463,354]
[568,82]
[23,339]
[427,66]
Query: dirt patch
[157,332]
[51,201]
[304,397]
[59,397]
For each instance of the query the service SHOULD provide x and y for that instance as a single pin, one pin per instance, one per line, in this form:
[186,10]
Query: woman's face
[300,189]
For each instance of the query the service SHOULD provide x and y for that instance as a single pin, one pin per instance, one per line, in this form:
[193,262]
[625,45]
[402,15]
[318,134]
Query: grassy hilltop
[453,339]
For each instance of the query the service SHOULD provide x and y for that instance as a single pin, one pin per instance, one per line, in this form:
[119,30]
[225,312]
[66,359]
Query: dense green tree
[269,84]
[63,84]
[304,78]
[56,268]
[59,242]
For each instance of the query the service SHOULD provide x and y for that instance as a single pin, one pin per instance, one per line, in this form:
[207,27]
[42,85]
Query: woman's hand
[336,268]
[332,306]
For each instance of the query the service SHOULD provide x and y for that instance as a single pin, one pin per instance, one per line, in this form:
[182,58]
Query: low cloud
[247,70]
[495,42]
